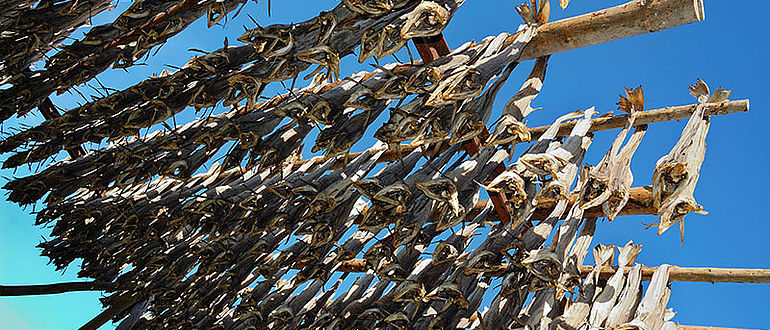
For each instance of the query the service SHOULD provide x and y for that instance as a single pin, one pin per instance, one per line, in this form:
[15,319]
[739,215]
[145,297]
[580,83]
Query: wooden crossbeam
[28,290]
[650,117]
[602,123]
[627,20]
[677,274]
[696,274]
[639,203]
[431,49]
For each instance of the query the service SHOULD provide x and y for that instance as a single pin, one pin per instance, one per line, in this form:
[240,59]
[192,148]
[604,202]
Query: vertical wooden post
[48,110]
[430,49]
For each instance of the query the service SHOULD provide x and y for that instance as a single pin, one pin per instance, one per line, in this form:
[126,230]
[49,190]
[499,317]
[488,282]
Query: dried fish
[410,292]
[427,19]
[510,127]
[622,312]
[577,313]
[609,182]
[650,313]
[442,190]
[611,291]
[253,241]
[676,174]
[544,264]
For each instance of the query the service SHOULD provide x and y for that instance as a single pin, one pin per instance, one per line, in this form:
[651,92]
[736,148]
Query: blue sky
[728,49]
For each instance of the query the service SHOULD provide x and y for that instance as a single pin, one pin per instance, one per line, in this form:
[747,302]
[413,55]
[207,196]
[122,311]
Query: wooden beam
[431,48]
[698,327]
[650,117]
[639,203]
[118,306]
[627,20]
[697,274]
[677,274]
[603,124]
[42,289]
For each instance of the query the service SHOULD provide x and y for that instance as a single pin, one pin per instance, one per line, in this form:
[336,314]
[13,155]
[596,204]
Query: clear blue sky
[729,49]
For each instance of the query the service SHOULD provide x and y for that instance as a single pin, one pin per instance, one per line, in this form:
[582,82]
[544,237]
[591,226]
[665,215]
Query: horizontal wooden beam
[698,327]
[650,117]
[639,203]
[600,124]
[42,289]
[677,274]
[627,20]
[697,274]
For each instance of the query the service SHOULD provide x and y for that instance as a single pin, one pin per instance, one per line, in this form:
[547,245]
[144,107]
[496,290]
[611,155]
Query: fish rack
[268,239]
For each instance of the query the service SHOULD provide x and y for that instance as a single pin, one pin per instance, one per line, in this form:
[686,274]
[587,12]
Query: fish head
[427,19]
[444,252]
[423,80]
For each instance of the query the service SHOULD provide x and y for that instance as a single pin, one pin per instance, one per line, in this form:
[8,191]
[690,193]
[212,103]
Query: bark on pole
[698,274]
[651,116]
[626,20]
[608,123]
[639,203]
[699,327]
[678,274]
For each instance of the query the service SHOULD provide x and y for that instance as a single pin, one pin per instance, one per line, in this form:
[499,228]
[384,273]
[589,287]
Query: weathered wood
[698,274]
[700,327]
[197,242]
[626,20]
[117,307]
[431,48]
[608,123]
[652,116]
[639,203]
[678,274]
[42,289]
[48,110]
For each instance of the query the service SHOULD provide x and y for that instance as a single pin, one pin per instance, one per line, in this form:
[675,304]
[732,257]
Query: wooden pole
[696,274]
[606,123]
[431,49]
[27,290]
[650,117]
[630,19]
[677,274]
[639,203]
[698,327]
[116,308]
